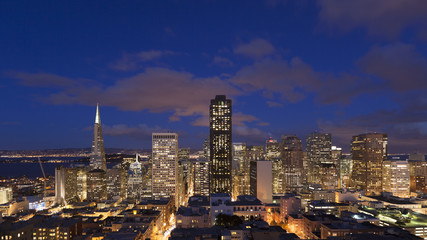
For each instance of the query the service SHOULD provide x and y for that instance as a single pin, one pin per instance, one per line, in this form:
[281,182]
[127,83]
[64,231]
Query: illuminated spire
[97,118]
[136,156]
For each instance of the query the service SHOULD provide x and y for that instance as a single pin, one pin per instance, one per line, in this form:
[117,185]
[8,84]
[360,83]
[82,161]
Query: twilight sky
[291,67]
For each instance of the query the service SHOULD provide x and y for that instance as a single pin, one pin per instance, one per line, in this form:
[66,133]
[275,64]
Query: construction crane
[44,180]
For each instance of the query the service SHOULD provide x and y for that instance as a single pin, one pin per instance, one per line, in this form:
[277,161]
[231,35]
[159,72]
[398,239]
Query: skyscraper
[272,149]
[240,170]
[319,154]
[272,153]
[201,177]
[292,163]
[261,180]
[336,161]
[116,183]
[164,164]
[134,189]
[396,178]
[368,151]
[220,145]
[417,172]
[96,185]
[97,157]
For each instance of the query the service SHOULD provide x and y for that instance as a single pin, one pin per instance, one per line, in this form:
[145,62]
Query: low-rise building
[289,204]
[341,229]
[165,206]
[312,224]
[6,195]
[54,229]
[325,195]
[192,217]
[359,217]
[220,203]
[295,224]
[330,207]
[249,207]
[199,201]
[14,207]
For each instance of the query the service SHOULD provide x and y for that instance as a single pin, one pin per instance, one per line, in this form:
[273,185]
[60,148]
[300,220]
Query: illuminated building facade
[290,204]
[239,154]
[272,153]
[82,182]
[6,195]
[319,155]
[134,180]
[220,145]
[368,151]
[183,153]
[201,177]
[292,163]
[96,185]
[336,153]
[240,170]
[207,148]
[116,183]
[396,178]
[272,149]
[346,168]
[417,172]
[66,184]
[97,157]
[164,164]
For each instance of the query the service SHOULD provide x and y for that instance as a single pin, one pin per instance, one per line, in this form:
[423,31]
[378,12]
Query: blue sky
[290,67]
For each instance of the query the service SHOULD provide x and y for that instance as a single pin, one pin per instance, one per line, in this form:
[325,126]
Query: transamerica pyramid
[97,157]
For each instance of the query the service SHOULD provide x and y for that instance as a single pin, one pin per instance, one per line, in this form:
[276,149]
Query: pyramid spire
[97,157]
[97,118]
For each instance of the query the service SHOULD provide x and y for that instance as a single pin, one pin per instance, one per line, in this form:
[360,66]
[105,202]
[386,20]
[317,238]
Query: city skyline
[294,69]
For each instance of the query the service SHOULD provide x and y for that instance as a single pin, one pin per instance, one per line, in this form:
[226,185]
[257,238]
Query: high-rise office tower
[292,163]
[97,157]
[207,149]
[238,153]
[417,172]
[96,185]
[346,169]
[82,181]
[181,183]
[240,170]
[368,151]
[135,179]
[68,186]
[396,178]
[164,165]
[272,149]
[60,186]
[252,153]
[318,147]
[220,145]
[261,180]
[272,153]
[116,183]
[201,177]
[336,161]
[183,153]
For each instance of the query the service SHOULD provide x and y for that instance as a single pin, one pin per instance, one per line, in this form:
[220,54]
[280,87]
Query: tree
[227,221]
